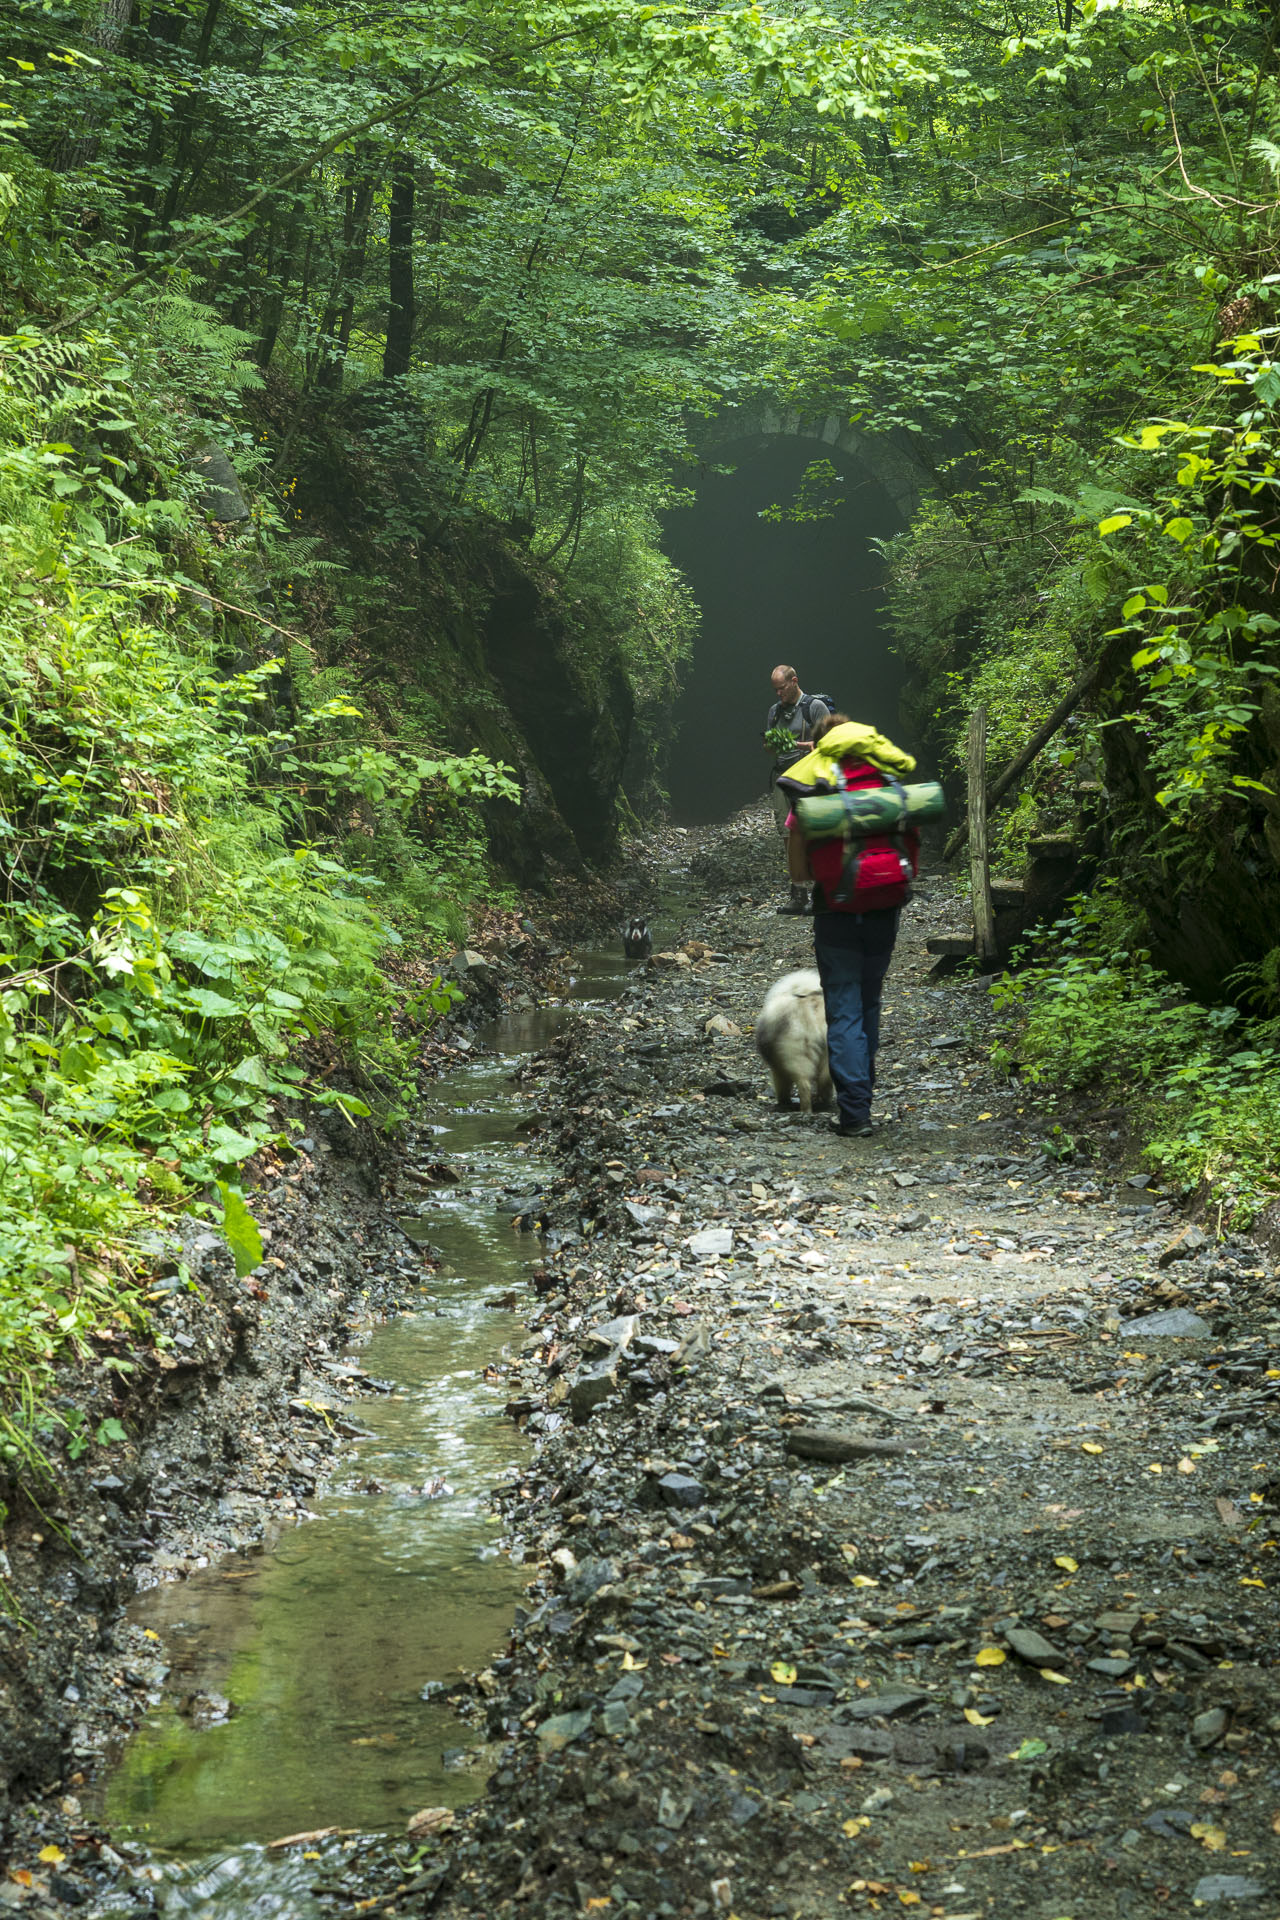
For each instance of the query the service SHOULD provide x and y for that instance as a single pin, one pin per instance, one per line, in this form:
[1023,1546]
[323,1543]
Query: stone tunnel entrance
[808,593]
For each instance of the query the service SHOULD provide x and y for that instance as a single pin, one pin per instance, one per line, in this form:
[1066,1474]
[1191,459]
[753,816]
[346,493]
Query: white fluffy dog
[791,1034]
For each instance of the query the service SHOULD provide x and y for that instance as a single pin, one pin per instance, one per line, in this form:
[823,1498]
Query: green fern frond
[189,327]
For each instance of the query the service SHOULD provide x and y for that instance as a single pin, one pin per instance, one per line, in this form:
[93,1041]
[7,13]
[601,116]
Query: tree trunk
[343,298]
[401,306]
[106,33]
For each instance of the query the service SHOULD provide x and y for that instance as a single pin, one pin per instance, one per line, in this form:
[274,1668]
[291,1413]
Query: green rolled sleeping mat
[832,816]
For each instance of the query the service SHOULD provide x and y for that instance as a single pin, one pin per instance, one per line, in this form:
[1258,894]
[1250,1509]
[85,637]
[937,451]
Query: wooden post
[984,920]
[1021,761]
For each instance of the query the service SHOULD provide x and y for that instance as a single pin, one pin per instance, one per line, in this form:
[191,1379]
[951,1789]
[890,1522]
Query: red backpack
[872,871]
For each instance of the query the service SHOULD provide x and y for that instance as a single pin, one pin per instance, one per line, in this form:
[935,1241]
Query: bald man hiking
[795,713]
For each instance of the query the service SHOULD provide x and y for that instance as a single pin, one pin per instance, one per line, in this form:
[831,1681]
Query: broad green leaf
[212,1006]
[240,1230]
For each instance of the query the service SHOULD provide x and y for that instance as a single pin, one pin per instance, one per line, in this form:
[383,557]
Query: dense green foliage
[169,936]
[1094,1016]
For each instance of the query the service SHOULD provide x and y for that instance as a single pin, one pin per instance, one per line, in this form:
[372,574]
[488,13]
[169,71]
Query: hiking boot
[853,1129]
[798,903]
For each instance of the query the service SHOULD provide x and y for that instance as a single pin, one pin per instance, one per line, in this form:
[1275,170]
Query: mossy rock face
[575,715]
[472,643]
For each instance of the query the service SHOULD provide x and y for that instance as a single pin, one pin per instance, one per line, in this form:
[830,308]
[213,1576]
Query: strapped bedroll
[868,810]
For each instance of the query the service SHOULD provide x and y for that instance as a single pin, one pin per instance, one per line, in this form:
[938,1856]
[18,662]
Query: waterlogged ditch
[302,1691]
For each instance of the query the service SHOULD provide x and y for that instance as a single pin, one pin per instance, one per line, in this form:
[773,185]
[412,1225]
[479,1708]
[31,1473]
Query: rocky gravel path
[901,1534]
[901,1528]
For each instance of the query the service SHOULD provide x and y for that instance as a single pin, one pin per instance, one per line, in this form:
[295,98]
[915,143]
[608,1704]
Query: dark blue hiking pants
[853,951]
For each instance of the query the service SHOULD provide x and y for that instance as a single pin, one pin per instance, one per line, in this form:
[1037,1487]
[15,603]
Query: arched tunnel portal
[806,592]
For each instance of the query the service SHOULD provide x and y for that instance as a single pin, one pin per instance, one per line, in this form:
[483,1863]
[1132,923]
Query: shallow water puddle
[323,1641]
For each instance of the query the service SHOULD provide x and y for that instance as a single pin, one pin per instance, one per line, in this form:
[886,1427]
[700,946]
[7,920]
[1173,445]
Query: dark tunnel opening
[807,594]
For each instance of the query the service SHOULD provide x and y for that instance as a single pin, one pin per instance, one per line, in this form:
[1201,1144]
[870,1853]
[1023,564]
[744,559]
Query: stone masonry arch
[751,428]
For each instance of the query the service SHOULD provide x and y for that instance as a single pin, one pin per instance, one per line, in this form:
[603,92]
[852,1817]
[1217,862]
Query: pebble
[1209,1727]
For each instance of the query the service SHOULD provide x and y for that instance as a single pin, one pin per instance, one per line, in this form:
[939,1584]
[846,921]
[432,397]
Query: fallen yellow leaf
[989,1657]
[1090,1446]
[1186,1465]
[854,1827]
[51,1856]
[908,1898]
[986,1116]
[1252,1583]
[783,1673]
[864,1580]
[977,1719]
[1067,1564]
[1213,1838]
[1155,1467]
[1058,1679]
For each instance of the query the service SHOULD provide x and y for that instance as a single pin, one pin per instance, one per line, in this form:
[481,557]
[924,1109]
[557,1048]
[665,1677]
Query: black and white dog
[637,941]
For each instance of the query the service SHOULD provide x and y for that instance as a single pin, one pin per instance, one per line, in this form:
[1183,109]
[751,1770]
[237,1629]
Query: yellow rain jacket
[819,767]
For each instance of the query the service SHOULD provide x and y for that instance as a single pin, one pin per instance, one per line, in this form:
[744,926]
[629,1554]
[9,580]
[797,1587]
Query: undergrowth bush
[1093,1013]
[175,930]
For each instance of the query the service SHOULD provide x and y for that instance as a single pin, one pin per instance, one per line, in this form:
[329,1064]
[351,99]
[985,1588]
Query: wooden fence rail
[984,919]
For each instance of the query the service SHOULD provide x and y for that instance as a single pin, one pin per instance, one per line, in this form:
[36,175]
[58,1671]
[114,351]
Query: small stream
[319,1656]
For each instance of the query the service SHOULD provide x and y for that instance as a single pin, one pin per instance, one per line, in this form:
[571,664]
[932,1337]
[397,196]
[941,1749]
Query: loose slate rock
[644,1216]
[1209,1726]
[562,1728]
[1034,1648]
[1226,1886]
[1175,1323]
[1121,1720]
[713,1243]
[1191,1240]
[614,1336]
[824,1443]
[591,1388]
[883,1705]
[679,1490]
[1170,1822]
[862,1743]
